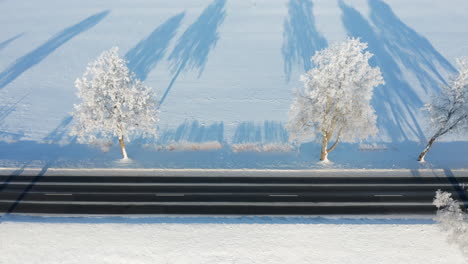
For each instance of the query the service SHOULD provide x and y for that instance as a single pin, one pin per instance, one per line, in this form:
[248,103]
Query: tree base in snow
[124,160]
[325,162]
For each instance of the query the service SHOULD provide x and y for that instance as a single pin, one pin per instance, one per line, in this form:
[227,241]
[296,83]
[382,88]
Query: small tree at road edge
[449,110]
[334,103]
[113,103]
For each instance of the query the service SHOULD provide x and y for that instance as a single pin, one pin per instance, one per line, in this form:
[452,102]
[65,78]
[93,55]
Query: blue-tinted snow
[217,220]
[224,71]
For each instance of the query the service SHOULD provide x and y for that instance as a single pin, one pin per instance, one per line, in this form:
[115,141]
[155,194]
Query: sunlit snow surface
[216,240]
[224,70]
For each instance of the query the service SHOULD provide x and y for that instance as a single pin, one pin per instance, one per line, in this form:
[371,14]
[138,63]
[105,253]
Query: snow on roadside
[245,240]
[452,219]
[54,171]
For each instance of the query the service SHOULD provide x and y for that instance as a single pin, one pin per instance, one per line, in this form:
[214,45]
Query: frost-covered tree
[452,219]
[449,110]
[113,103]
[334,103]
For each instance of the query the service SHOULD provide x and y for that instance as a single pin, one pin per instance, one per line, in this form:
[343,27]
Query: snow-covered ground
[225,71]
[191,240]
[449,155]
[131,172]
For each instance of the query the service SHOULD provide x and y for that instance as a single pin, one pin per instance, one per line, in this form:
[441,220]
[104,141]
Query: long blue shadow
[193,47]
[147,53]
[456,186]
[24,151]
[414,51]
[28,188]
[274,132]
[36,56]
[217,220]
[53,138]
[301,38]
[5,111]
[348,156]
[250,132]
[247,132]
[7,42]
[59,132]
[15,173]
[12,136]
[395,102]
[193,132]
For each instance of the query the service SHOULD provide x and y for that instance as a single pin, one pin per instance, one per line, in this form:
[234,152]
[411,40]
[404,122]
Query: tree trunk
[334,145]
[428,146]
[122,148]
[324,153]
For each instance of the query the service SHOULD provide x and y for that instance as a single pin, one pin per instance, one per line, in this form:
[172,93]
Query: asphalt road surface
[265,195]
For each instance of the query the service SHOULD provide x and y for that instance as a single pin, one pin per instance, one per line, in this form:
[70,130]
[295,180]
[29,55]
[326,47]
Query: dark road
[250,195]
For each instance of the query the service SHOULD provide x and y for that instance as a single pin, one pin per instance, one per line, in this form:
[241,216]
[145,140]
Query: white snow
[322,172]
[232,57]
[243,72]
[217,240]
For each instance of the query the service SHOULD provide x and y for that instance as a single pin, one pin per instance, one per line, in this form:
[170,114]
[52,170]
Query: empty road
[257,195]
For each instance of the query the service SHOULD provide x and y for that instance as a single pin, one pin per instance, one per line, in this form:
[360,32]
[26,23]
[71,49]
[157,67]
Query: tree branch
[336,142]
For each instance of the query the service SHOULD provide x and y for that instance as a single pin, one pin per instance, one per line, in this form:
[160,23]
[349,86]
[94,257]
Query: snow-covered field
[224,71]
[453,155]
[217,240]
[131,172]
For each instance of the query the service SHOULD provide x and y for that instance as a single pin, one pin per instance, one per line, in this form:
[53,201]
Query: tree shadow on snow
[193,47]
[6,110]
[269,132]
[36,56]
[7,42]
[193,132]
[396,102]
[345,156]
[17,202]
[300,36]
[60,132]
[49,159]
[147,53]
[414,51]
[399,155]
[457,187]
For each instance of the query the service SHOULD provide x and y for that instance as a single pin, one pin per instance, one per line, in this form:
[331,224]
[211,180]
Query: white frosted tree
[452,219]
[449,110]
[334,103]
[113,103]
